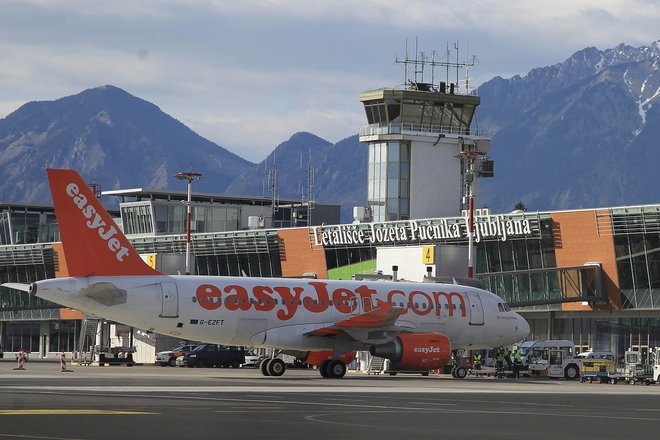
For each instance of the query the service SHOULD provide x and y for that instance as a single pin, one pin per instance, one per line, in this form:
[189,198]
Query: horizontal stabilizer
[17,286]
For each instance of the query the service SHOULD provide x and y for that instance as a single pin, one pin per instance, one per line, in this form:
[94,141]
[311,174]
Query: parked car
[252,359]
[168,357]
[212,355]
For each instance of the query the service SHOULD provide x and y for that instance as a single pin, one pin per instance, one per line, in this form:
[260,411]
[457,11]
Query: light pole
[189,176]
[470,156]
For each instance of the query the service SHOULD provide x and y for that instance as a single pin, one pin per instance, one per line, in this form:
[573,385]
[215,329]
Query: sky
[248,74]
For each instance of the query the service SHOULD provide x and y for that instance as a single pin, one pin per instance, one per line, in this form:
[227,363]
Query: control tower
[423,154]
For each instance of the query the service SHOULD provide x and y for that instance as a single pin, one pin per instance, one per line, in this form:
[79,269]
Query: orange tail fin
[92,242]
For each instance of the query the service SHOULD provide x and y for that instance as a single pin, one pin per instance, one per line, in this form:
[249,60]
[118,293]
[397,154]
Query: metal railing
[409,128]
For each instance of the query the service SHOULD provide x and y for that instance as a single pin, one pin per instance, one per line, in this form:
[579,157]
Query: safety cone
[21,359]
[63,363]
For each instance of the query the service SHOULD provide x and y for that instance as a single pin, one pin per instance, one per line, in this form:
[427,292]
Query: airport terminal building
[588,275]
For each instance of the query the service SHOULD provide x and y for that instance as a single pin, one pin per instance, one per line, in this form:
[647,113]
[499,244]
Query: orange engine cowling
[415,351]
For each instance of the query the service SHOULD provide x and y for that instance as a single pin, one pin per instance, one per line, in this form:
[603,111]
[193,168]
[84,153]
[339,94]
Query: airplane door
[476,309]
[170,305]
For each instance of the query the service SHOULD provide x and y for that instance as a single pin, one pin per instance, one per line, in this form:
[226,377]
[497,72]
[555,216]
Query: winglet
[92,242]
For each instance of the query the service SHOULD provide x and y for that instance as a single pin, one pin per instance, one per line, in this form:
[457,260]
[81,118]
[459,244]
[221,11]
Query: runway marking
[527,414]
[504,402]
[432,403]
[29,412]
[334,390]
[38,437]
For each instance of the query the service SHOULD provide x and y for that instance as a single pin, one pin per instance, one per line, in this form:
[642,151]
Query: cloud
[247,74]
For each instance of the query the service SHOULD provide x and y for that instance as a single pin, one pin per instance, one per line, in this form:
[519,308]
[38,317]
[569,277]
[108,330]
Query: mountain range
[581,133]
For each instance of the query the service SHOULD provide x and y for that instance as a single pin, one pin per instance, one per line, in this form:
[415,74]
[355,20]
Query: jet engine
[415,351]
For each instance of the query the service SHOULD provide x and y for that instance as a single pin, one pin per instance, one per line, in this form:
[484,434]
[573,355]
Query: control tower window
[389,182]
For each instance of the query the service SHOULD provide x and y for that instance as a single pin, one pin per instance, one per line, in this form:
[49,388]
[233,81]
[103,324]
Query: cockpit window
[500,307]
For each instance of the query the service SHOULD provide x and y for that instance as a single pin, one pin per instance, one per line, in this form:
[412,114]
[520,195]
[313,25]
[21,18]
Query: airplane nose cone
[523,327]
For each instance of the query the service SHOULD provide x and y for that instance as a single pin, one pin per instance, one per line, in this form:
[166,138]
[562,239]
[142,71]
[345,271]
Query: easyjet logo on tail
[95,222]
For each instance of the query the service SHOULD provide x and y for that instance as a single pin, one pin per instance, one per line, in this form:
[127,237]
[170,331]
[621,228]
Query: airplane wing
[17,286]
[381,318]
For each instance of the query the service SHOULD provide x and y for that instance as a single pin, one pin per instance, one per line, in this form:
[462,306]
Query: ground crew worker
[499,361]
[476,361]
[517,364]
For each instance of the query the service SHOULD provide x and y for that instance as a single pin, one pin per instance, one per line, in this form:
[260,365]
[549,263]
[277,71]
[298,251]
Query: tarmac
[92,402]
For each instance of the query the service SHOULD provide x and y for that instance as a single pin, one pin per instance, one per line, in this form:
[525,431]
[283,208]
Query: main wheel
[263,366]
[172,362]
[336,369]
[276,367]
[323,368]
[461,372]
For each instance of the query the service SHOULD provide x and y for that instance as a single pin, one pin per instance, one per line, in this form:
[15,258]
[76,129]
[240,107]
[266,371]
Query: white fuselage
[285,313]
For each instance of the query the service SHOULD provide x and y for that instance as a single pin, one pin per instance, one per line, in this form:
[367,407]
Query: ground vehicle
[596,355]
[560,365]
[637,371]
[213,355]
[251,359]
[537,359]
[168,357]
[532,351]
[656,364]
[599,369]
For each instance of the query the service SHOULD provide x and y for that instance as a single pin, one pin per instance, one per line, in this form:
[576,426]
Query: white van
[590,354]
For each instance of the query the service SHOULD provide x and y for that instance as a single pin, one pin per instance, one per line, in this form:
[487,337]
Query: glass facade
[388,193]
[638,266]
[24,227]
[139,218]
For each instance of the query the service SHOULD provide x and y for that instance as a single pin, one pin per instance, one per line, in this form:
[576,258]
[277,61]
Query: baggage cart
[636,371]
[600,370]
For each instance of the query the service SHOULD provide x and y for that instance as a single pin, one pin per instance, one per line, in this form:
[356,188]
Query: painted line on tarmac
[328,390]
[31,412]
[38,437]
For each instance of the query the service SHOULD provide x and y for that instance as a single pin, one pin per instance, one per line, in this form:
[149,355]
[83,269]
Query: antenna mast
[420,61]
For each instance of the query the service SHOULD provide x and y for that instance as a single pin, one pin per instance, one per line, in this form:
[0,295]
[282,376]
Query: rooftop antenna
[95,188]
[272,184]
[310,189]
[421,61]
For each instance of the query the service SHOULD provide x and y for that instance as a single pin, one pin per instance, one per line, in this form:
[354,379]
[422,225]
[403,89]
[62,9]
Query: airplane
[416,326]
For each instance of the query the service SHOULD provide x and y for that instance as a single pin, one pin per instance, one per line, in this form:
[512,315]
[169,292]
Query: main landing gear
[272,367]
[332,369]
